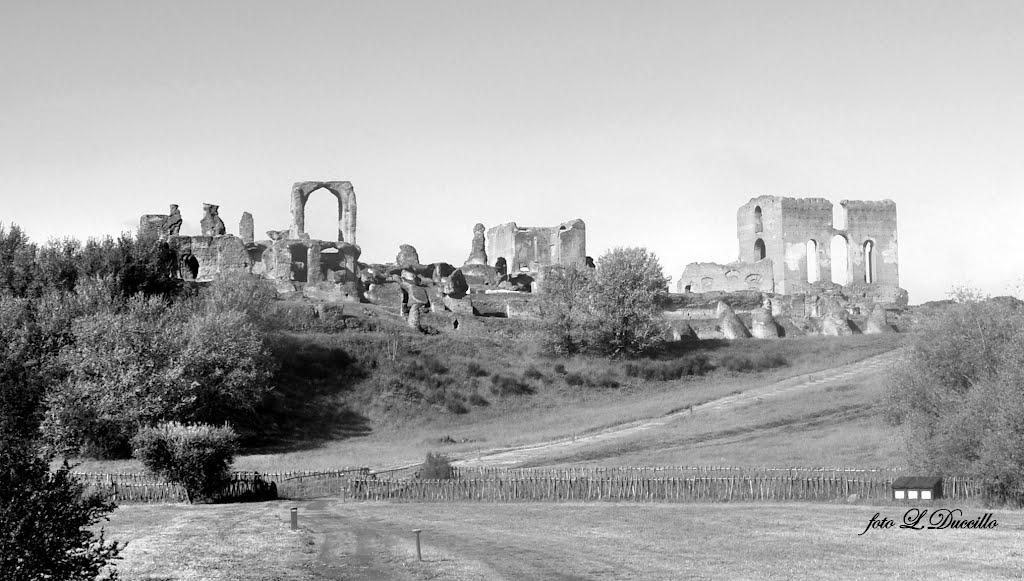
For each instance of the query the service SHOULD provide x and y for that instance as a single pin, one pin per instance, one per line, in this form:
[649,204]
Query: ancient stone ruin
[799,272]
[346,196]
[788,245]
[528,249]
[321,269]
[161,225]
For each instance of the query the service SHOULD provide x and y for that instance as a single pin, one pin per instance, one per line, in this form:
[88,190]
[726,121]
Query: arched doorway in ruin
[840,260]
[322,215]
[813,271]
[346,209]
[758,227]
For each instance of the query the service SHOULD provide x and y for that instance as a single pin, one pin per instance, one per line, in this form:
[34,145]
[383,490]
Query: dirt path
[816,380]
[355,544]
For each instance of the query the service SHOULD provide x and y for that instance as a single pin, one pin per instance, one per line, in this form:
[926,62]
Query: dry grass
[556,410]
[469,541]
[838,426]
[727,542]
[177,542]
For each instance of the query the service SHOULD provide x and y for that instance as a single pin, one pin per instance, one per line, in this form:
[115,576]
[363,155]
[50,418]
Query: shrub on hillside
[47,524]
[503,385]
[746,362]
[243,293]
[532,373]
[473,369]
[196,456]
[478,400]
[436,467]
[959,395]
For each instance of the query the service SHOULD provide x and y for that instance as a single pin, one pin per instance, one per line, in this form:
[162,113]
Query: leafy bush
[532,373]
[436,467]
[749,363]
[575,379]
[613,310]
[456,406]
[150,362]
[586,379]
[559,368]
[504,385]
[46,523]
[196,456]
[478,400]
[959,395]
[473,369]
[243,293]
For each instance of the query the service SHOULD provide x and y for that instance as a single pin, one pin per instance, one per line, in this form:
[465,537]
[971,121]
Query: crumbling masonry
[790,246]
[527,249]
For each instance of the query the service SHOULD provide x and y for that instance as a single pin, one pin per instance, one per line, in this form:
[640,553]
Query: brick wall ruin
[805,250]
[805,247]
[527,249]
[737,276]
[290,257]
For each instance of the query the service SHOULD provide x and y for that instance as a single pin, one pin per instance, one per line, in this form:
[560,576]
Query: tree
[152,362]
[18,272]
[568,320]
[196,456]
[629,289]
[46,523]
[959,394]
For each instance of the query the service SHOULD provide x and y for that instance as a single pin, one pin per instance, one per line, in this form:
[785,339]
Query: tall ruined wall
[530,248]
[784,226]
[874,222]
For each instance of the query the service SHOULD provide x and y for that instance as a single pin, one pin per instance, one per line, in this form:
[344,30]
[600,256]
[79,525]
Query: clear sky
[651,121]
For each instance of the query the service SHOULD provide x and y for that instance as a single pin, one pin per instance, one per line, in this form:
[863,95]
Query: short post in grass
[419,556]
[295,519]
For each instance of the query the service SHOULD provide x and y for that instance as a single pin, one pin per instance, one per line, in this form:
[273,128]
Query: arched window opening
[322,215]
[813,273]
[840,260]
[869,262]
[757,220]
[759,252]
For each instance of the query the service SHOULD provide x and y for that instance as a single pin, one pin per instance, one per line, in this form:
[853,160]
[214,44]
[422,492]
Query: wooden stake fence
[639,489]
[640,484]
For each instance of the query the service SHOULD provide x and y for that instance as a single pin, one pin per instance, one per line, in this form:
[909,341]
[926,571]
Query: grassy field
[468,541]
[838,426]
[372,426]
[179,542]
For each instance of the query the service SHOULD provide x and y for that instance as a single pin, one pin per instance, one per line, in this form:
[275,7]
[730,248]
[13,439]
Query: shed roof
[907,482]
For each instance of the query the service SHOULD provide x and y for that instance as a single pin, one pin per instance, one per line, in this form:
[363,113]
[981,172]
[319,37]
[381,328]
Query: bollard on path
[295,519]
[419,556]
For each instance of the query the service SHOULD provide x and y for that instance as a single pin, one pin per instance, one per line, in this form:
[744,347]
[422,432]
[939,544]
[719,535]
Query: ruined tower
[799,237]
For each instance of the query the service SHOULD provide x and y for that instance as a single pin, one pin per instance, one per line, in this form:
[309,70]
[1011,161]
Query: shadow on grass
[308,405]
